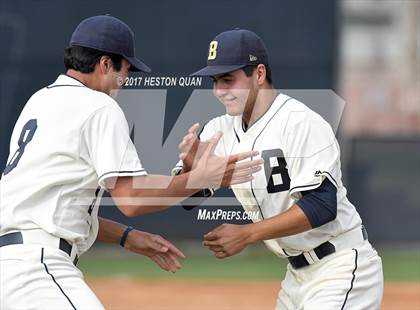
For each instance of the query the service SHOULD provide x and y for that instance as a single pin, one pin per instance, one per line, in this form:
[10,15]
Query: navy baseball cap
[108,34]
[232,50]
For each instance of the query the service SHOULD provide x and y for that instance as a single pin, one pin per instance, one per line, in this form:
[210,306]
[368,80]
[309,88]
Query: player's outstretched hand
[228,239]
[191,148]
[216,171]
[159,250]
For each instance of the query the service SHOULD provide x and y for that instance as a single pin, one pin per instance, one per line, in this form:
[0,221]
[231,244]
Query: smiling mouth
[229,100]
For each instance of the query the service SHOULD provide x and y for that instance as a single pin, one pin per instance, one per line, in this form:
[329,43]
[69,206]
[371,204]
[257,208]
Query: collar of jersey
[67,80]
[240,124]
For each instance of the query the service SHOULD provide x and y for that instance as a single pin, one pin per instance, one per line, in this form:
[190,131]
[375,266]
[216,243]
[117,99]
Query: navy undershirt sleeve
[200,196]
[320,204]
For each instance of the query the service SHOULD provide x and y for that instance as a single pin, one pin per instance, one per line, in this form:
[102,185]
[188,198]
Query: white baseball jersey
[299,151]
[67,141]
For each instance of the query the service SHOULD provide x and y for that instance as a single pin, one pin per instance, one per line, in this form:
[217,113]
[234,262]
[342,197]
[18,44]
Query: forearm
[152,193]
[171,188]
[110,231]
[290,222]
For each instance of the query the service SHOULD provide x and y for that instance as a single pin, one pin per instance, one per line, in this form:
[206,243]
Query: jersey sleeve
[107,145]
[311,152]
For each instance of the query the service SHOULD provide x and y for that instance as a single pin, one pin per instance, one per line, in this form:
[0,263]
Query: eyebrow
[221,76]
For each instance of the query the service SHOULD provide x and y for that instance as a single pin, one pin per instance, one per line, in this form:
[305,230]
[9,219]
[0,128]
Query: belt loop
[309,258]
[314,256]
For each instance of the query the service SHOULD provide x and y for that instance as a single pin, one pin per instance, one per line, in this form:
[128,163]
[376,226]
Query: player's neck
[262,103]
[88,79]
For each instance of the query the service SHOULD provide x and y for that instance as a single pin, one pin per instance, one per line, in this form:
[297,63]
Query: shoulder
[92,102]
[296,114]
[98,110]
[98,99]
[222,122]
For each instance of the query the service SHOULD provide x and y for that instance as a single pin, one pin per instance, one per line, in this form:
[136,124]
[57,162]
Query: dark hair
[84,59]
[250,69]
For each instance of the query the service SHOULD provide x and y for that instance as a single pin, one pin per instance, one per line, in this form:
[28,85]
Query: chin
[233,112]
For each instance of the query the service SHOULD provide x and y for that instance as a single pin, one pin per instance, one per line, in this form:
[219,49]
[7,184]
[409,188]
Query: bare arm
[110,231]
[291,222]
[138,195]
[159,250]
[227,239]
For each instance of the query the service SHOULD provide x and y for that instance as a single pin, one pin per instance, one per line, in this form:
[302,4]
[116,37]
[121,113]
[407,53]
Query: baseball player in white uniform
[304,214]
[70,143]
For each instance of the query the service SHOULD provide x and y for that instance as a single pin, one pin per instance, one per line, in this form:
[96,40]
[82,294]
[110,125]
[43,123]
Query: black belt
[321,251]
[16,238]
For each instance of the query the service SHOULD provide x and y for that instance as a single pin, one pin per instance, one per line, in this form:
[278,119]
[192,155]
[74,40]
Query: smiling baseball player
[305,215]
[71,137]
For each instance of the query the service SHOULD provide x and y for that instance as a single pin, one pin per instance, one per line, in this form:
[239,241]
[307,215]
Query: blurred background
[367,52]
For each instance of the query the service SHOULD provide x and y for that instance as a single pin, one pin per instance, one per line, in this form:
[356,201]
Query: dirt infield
[193,294]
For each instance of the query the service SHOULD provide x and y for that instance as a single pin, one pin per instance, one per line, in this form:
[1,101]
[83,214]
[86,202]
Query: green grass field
[261,265]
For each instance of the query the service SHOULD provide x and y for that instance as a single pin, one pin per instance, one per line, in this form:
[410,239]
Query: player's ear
[105,64]
[261,74]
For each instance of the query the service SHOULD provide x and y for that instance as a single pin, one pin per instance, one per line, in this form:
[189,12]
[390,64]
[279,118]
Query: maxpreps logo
[219,214]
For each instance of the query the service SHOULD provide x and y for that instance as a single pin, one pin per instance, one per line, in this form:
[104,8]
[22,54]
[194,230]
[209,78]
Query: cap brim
[137,65]
[217,70]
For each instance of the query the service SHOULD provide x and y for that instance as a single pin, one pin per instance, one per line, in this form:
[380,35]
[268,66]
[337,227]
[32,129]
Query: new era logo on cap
[232,50]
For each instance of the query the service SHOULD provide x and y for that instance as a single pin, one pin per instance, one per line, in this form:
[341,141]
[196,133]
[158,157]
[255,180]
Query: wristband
[125,235]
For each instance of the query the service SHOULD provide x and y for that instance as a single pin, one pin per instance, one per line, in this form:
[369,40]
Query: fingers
[241,156]
[193,128]
[238,181]
[168,246]
[189,144]
[167,259]
[210,236]
[172,248]
[157,246]
[219,251]
[247,164]
[189,137]
[212,144]
[187,141]
[241,172]
[173,260]
[216,248]
[173,264]
[161,263]
[211,243]
[221,254]
[245,172]
[177,252]
[167,262]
